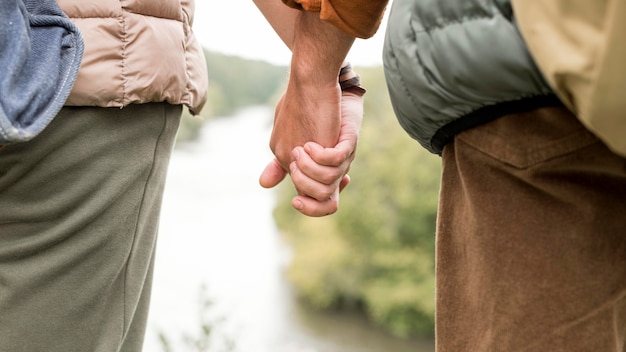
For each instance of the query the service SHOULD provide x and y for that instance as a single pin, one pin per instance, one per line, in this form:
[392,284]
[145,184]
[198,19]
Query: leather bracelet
[345,69]
[350,81]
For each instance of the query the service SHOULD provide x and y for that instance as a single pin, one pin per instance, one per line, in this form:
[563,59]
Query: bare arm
[318,52]
[281,18]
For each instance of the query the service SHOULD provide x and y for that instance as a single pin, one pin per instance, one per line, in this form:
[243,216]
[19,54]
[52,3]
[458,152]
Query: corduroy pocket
[526,139]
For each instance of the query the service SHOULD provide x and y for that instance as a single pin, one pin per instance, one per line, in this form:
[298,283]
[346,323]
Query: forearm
[281,18]
[319,50]
[320,45]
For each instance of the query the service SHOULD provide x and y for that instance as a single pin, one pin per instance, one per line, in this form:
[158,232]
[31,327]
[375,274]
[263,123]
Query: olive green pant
[531,242]
[78,223]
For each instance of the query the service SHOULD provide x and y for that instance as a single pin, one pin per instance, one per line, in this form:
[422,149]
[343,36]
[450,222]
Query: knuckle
[331,177]
[339,159]
[323,194]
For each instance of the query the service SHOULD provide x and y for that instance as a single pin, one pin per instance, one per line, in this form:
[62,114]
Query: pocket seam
[498,148]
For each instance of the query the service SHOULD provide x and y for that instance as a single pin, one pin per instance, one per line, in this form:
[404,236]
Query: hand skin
[318,173]
[311,111]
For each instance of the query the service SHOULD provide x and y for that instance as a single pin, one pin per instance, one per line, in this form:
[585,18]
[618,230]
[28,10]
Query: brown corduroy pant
[78,223]
[531,243]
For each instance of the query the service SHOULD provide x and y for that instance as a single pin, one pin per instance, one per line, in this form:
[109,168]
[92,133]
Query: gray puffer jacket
[451,65]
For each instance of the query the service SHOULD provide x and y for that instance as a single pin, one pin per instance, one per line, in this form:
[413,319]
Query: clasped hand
[314,139]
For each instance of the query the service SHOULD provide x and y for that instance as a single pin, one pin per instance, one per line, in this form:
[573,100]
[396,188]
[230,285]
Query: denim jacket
[40,54]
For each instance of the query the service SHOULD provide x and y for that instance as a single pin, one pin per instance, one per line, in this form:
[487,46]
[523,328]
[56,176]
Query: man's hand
[294,126]
[305,113]
[310,110]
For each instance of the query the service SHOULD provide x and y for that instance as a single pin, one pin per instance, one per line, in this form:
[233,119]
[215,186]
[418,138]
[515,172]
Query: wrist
[305,73]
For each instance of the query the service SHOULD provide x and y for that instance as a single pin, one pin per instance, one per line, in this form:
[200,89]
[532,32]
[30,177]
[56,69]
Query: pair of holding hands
[314,140]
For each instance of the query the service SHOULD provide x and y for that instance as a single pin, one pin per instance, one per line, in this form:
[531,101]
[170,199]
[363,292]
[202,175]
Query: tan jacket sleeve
[359,18]
[579,47]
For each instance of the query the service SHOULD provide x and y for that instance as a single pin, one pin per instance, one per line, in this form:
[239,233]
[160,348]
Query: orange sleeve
[360,18]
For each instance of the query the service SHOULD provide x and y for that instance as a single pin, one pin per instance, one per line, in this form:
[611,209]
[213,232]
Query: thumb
[272,175]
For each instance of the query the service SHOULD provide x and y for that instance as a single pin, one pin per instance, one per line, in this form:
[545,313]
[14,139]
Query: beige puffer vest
[137,51]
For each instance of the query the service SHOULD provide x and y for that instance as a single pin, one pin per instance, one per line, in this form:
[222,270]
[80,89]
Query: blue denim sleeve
[40,54]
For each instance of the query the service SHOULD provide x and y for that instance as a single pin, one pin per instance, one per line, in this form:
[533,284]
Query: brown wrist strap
[350,81]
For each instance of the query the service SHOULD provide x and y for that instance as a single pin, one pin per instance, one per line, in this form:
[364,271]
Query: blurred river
[217,230]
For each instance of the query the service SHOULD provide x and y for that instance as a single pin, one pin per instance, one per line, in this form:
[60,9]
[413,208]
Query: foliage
[234,83]
[210,337]
[189,126]
[377,251]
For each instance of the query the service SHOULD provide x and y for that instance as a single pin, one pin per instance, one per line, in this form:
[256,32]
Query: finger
[330,156]
[272,175]
[312,188]
[321,173]
[314,208]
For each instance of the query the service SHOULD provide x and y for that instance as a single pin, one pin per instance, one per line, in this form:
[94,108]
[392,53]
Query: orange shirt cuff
[359,18]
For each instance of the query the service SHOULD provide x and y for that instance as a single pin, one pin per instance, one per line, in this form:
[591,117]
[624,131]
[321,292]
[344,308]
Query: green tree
[237,82]
[234,83]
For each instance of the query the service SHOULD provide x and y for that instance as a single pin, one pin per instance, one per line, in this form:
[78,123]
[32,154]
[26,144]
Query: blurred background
[237,269]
